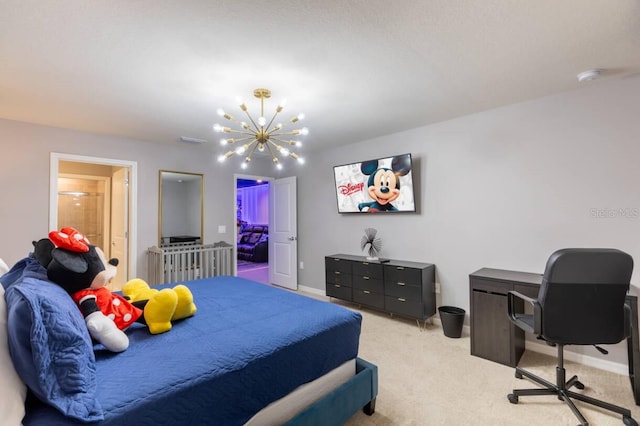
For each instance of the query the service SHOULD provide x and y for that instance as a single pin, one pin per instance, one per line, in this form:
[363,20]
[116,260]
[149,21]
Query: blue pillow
[51,348]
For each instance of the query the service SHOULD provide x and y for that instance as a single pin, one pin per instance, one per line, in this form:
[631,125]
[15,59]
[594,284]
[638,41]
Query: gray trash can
[452,319]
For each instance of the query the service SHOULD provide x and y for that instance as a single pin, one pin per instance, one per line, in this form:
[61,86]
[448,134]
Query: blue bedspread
[248,345]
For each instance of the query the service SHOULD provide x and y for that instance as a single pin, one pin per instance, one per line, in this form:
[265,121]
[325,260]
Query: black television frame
[349,179]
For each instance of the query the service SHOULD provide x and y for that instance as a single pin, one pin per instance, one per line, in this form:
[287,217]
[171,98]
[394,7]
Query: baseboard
[312,290]
[602,364]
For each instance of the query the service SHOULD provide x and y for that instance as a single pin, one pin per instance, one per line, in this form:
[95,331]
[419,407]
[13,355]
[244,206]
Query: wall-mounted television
[376,186]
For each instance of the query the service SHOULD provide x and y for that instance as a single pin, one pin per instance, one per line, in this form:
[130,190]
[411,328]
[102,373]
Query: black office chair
[581,302]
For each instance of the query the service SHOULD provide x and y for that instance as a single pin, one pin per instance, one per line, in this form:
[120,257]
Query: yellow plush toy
[163,306]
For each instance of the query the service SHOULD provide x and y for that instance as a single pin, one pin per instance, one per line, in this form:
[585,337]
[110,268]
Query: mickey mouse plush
[83,271]
[383,184]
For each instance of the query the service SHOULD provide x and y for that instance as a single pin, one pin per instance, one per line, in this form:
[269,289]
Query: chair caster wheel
[629,421]
[518,375]
[514,399]
[579,385]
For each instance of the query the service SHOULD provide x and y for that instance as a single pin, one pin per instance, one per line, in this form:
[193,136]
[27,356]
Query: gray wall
[502,188]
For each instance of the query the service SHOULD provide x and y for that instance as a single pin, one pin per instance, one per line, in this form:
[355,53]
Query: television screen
[381,185]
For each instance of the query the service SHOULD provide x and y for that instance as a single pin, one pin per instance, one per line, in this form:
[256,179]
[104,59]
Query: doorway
[97,196]
[252,227]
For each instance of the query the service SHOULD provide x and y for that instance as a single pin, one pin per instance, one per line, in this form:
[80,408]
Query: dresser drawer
[402,306]
[338,291]
[400,289]
[366,297]
[401,274]
[366,269]
[339,277]
[366,283]
[333,264]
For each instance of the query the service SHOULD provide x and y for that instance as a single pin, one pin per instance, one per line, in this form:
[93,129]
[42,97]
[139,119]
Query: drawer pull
[337,272]
[337,285]
[366,292]
[400,268]
[337,260]
[401,284]
[365,277]
[400,299]
[365,263]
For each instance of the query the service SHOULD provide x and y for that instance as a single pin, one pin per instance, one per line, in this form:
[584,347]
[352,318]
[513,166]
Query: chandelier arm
[268,126]
[251,134]
[252,150]
[292,133]
[252,122]
[290,143]
[279,148]
[232,141]
[273,155]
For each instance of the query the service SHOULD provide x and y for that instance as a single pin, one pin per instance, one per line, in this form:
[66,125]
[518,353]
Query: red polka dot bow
[70,239]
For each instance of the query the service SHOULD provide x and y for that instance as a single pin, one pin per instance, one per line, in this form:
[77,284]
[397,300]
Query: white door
[283,238]
[119,226]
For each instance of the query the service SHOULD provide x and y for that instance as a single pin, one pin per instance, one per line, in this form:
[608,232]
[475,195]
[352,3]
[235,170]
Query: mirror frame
[160,192]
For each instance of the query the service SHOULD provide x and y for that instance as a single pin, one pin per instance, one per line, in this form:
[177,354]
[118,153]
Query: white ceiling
[156,70]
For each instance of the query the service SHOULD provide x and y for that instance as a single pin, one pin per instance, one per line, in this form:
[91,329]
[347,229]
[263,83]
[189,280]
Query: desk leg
[633,349]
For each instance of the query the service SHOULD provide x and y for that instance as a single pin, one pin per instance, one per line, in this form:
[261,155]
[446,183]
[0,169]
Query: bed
[252,354]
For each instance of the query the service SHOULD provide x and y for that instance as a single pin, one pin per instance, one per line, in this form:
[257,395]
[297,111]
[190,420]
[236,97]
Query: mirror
[181,208]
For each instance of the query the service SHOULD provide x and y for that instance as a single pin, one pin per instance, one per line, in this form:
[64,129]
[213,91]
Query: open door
[283,235]
[122,217]
[120,225]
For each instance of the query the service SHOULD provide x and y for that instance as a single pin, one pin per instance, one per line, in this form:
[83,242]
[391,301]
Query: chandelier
[262,135]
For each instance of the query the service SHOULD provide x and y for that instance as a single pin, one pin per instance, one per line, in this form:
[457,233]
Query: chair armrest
[529,323]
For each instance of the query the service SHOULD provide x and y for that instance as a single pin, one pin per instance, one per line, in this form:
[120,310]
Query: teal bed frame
[360,392]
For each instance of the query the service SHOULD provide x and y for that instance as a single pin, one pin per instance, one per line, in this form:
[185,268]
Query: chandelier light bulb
[304,131]
[261,147]
[240,149]
[221,158]
[217,128]
[223,142]
[284,151]
[301,116]
[220,112]
[262,121]
[244,165]
[300,160]
[279,166]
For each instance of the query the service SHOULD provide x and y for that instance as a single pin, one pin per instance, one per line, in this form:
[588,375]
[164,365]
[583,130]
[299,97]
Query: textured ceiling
[156,70]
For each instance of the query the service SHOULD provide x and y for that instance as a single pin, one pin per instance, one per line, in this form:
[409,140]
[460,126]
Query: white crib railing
[171,264]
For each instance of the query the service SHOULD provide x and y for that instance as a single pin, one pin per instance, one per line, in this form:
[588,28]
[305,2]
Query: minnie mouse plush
[83,271]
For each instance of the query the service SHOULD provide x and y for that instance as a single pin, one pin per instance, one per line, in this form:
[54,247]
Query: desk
[496,338]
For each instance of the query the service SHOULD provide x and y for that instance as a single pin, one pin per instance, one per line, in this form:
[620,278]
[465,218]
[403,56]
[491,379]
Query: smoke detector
[589,75]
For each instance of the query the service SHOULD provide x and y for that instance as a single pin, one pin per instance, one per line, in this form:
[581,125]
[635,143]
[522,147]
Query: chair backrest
[582,296]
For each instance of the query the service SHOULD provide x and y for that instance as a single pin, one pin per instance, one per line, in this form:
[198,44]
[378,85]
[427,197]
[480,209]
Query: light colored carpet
[426,378]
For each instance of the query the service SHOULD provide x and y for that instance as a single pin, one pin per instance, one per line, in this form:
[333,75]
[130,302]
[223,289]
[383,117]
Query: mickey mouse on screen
[383,185]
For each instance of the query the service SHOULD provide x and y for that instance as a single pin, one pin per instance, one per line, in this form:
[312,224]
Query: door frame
[132,230]
[235,212]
